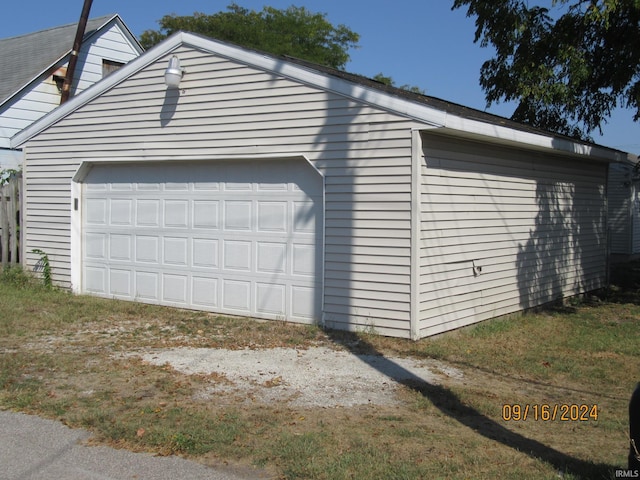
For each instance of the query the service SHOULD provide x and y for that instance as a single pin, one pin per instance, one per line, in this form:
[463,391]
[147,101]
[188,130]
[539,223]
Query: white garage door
[238,237]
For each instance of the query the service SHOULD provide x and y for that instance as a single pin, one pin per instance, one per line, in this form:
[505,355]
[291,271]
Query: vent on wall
[110,66]
[59,76]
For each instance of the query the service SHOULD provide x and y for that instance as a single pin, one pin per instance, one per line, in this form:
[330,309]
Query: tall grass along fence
[9,216]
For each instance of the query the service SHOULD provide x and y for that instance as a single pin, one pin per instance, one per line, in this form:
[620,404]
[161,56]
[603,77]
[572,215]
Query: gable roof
[435,113]
[26,57]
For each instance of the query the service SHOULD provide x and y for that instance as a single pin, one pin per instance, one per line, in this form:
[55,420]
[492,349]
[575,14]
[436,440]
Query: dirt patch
[313,377]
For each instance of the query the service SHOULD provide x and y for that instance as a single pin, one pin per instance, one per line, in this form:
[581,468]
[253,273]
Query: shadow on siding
[566,251]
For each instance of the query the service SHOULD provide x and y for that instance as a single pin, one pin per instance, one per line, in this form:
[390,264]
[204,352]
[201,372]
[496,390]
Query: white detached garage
[273,188]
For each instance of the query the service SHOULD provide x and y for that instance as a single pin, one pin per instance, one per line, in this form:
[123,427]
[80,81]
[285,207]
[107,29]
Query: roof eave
[464,127]
[430,116]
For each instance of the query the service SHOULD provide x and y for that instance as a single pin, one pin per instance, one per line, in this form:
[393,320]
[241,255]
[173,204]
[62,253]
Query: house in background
[33,68]
[270,187]
[624,209]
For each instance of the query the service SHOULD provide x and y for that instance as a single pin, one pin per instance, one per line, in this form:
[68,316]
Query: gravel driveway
[313,377]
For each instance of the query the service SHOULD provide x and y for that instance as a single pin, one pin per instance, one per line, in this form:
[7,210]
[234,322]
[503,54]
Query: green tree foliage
[294,31]
[568,66]
[379,77]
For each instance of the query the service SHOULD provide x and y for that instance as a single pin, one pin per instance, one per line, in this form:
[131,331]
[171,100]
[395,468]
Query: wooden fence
[10,220]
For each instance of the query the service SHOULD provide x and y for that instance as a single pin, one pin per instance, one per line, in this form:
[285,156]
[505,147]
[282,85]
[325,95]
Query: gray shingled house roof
[25,57]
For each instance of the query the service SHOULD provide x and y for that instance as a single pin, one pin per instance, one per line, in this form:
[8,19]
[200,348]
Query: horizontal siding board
[368,268]
[345,284]
[371,260]
[401,297]
[374,316]
[350,239]
[391,251]
[533,224]
[354,276]
[389,233]
[228,110]
[393,223]
[363,324]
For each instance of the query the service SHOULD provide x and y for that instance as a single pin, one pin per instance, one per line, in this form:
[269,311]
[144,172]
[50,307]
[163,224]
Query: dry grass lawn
[67,357]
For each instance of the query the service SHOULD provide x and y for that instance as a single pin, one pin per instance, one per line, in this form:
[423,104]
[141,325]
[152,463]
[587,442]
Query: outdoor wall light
[173,73]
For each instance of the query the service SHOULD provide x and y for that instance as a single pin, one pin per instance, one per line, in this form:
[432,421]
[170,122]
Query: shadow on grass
[624,283]
[449,404]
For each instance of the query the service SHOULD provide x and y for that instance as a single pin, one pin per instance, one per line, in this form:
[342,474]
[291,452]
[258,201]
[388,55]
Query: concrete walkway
[35,448]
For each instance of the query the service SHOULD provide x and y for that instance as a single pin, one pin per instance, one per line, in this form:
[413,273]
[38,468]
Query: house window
[109,66]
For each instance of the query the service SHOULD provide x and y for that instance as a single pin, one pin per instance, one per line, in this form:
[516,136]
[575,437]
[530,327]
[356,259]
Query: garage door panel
[206,214]
[122,187]
[146,286]
[272,216]
[231,237]
[272,187]
[96,211]
[150,187]
[271,257]
[205,253]
[236,296]
[120,283]
[305,215]
[175,251]
[120,247]
[302,300]
[237,215]
[147,249]
[96,246]
[95,280]
[236,255]
[270,299]
[176,213]
[303,260]
[148,213]
[121,212]
[204,292]
[174,288]
[177,187]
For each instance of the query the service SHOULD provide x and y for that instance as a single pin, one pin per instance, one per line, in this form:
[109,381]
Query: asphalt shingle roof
[24,57]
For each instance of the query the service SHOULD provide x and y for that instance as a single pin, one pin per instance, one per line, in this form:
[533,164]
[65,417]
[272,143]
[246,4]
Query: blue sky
[416,42]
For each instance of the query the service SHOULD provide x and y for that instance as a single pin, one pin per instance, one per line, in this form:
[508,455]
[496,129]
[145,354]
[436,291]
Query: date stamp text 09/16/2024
[547,412]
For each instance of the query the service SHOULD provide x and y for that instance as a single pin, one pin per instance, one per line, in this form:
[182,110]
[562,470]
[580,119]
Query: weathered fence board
[9,220]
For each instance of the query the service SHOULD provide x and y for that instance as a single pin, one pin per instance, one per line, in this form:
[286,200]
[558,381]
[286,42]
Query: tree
[567,66]
[379,77]
[294,31]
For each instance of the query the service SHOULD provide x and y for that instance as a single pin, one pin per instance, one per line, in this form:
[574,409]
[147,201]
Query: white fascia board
[135,43]
[534,140]
[96,90]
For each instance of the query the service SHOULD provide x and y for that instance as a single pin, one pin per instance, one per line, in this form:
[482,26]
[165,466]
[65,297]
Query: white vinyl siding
[225,110]
[43,95]
[487,230]
[504,230]
[112,44]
